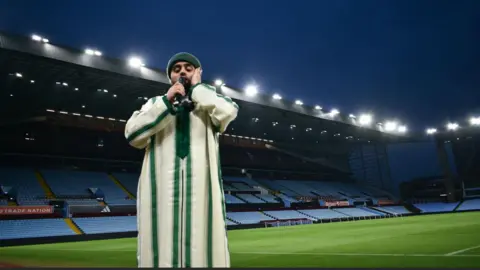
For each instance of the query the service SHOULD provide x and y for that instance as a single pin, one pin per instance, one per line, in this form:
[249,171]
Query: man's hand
[175,89]
[197,76]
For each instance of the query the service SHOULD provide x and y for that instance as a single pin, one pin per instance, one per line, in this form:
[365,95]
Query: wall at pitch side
[413,160]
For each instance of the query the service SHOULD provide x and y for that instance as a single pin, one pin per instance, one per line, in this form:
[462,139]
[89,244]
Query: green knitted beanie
[182,56]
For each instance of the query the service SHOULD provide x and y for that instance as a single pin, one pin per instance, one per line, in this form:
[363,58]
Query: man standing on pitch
[180,199]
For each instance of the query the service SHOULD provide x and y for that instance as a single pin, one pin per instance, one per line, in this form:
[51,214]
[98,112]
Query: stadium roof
[41,76]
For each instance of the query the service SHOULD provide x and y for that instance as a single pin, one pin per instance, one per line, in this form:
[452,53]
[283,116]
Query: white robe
[180,199]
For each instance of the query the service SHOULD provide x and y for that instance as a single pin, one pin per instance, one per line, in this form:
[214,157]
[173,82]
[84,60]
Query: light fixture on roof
[251,90]
[390,126]
[365,119]
[136,62]
[475,121]
[334,112]
[431,131]
[40,39]
[218,82]
[93,52]
[317,107]
[36,38]
[277,96]
[452,126]
[298,102]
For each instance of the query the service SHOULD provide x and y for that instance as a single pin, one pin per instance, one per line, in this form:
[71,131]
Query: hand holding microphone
[175,91]
[178,96]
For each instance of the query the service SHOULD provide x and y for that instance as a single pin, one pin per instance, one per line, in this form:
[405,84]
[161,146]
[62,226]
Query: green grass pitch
[446,240]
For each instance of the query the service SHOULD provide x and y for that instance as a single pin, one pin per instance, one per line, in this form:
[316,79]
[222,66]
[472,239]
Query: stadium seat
[356,212]
[436,207]
[29,228]
[248,217]
[286,214]
[470,205]
[129,181]
[230,199]
[395,210]
[94,225]
[80,181]
[268,198]
[323,213]
[250,198]
[29,191]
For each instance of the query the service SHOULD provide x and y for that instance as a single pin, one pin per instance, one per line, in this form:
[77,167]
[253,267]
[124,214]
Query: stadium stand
[285,214]
[396,210]
[28,228]
[436,207]
[473,204]
[249,198]
[94,225]
[230,199]
[249,217]
[25,184]
[321,214]
[129,180]
[355,212]
[268,198]
[82,183]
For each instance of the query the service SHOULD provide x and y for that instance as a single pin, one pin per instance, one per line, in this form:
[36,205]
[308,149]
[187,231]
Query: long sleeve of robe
[180,199]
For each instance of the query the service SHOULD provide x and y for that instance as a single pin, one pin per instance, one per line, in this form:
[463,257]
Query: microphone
[183,101]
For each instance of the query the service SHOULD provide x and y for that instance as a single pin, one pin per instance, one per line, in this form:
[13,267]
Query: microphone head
[182,80]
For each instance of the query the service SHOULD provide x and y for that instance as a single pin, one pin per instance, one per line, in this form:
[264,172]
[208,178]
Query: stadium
[305,186]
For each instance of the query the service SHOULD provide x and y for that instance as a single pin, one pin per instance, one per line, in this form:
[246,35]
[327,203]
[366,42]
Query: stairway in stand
[73,226]
[46,188]
[120,185]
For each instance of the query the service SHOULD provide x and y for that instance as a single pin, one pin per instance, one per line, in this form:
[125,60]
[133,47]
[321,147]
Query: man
[180,200]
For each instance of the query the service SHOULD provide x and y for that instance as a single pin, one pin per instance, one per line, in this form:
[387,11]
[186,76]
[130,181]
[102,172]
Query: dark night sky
[415,60]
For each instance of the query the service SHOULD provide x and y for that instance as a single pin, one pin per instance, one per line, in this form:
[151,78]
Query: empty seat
[470,205]
[94,225]
[248,217]
[28,228]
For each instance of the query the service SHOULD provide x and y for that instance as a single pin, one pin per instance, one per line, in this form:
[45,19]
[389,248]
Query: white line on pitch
[461,251]
[356,254]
